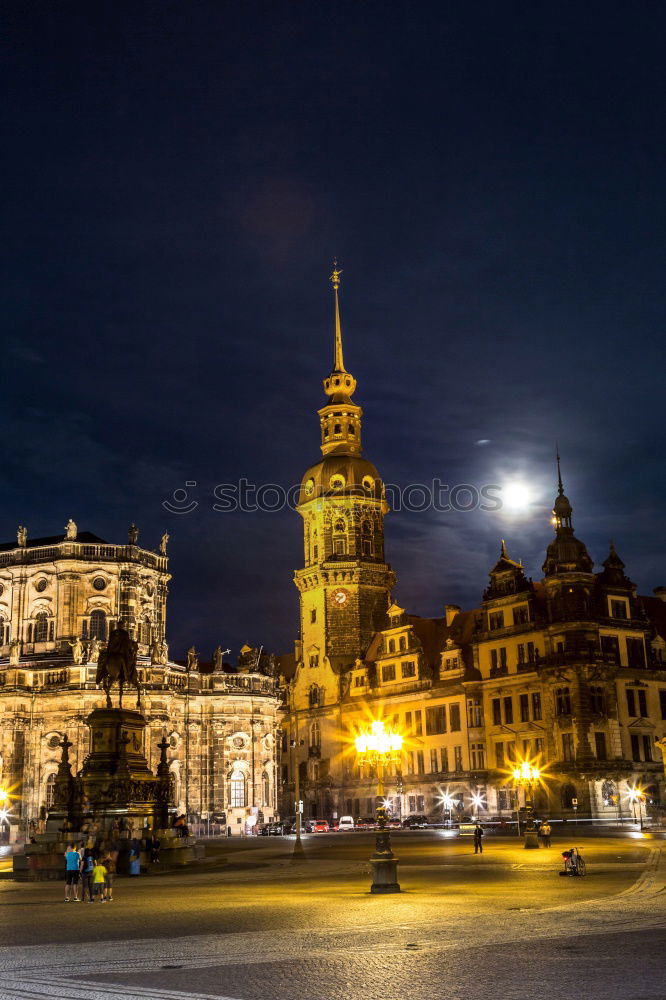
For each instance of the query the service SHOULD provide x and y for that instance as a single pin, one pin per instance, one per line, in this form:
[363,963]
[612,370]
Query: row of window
[443,760]
[521,616]
[505,752]
[407,670]
[529,708]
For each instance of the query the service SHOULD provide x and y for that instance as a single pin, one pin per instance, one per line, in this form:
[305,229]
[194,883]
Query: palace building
[59,598]
[569,671]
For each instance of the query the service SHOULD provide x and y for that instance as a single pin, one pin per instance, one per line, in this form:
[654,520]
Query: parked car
[320,826]
[393,824]
[415,823]
[346,823]
[274,829]
[366,823]
[333,825]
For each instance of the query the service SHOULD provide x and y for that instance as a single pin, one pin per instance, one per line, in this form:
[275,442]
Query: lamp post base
[531,840]
[384,865]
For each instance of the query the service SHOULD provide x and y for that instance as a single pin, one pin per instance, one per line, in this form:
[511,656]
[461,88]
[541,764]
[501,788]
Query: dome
[341,475]
[562,507]
[567,554]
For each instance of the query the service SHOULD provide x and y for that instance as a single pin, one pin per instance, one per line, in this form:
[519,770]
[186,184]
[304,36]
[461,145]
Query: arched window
[315,696]
[366,528]
[339,526]
[237,790]
[41,629]
[315,734]
[403,642]
[4,632]
[98,626]
[265,789]
[391,646]
[49,791]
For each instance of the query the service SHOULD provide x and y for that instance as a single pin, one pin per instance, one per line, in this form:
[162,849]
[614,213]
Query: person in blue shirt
[72,865]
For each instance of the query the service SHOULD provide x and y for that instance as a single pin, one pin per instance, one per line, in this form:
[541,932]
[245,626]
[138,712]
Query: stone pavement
[441,942]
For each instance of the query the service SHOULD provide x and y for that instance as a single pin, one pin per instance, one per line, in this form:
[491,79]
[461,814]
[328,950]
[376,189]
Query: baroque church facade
[568,672]
[59,598]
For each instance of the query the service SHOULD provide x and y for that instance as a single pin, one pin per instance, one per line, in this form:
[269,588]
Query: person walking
[72,866]
[110,865]
[478,839]
[87,865]
[98,881]
[545,833]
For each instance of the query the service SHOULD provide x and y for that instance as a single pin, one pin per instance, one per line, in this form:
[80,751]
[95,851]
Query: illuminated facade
[59,597]
[568,671]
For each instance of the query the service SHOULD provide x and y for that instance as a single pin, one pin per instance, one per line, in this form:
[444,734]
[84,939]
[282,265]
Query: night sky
[178,178]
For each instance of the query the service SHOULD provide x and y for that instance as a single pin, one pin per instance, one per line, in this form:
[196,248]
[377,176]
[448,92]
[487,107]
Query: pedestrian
[110,865]
[545,833]
[155,850]
[87,865]
[478,839]
[72,865]
[135,857]
[98,881]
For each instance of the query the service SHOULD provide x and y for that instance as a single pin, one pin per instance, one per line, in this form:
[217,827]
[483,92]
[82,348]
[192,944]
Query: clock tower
[345,583]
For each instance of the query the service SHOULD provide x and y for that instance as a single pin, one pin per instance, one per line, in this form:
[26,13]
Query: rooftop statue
[71,531]
[22,536]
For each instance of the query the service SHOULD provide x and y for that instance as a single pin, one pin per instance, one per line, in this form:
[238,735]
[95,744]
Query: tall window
[265,790]
[631,702]
[497,712]
[563,701]
[496,620]
[403,642]
[49,791]
[454,717]
[618,609]
[600,746]
[568,746]
[635,652]
[41,632]
[408,669]
[98,626]
[478,756]
[315,734]
[597,700]
[536,704]
[521,615]
[474,712]
[436,720]
[457,759]
[524,708]
[508,710]
[388,672]
[237,790]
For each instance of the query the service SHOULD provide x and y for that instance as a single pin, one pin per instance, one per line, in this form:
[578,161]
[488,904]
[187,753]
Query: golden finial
[338,362]
[335,277]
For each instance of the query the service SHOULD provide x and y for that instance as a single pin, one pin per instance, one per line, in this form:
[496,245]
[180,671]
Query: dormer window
[351,430]
[495,620]
[337,429]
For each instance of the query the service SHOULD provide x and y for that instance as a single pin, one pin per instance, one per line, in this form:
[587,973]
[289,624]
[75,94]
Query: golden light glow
[378,741]
[4,795]
[635,794]
[526,772]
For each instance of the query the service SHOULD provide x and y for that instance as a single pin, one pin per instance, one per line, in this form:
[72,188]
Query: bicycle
[574,863]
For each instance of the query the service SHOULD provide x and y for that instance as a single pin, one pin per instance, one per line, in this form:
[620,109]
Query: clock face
[339,597]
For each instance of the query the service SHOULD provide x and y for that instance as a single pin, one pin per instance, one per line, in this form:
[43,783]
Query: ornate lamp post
[378,747]
[526,775]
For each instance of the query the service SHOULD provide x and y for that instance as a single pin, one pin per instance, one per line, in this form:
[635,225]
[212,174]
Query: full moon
[516,496]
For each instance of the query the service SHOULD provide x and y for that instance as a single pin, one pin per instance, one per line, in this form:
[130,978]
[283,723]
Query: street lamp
[378,747]
[637,795]
[477,802]
[527,774]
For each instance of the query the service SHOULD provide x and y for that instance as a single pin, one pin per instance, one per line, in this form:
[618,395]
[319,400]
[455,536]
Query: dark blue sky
[178,177]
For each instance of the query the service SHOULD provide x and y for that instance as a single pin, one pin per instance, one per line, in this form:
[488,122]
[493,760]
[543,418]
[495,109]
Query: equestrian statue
[118,663]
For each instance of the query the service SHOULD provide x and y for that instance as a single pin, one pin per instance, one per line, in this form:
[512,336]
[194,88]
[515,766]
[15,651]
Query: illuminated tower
[345,583]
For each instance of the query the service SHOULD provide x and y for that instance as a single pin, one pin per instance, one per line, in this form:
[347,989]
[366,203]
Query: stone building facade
[59,597]
[569,672]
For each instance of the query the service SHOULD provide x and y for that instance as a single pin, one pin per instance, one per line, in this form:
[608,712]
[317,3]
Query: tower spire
[560,487]
[338,361]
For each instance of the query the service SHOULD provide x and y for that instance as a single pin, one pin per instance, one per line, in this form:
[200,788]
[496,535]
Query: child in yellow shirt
[98,877]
